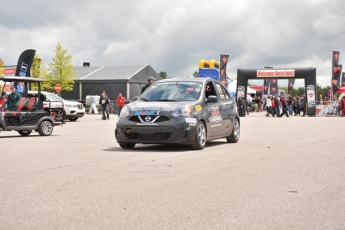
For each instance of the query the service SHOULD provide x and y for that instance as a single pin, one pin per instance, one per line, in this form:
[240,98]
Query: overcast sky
[172,36]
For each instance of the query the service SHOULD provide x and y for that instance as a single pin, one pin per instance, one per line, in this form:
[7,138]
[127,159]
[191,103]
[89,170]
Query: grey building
[127,80]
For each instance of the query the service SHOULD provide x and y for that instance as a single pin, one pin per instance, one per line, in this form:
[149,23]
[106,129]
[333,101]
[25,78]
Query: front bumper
[168,132]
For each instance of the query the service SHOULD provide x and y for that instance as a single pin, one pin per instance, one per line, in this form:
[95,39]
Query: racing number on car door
[228,107]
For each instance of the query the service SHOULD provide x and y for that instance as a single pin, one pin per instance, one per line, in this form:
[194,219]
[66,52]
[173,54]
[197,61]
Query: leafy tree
[60,71]
[38,70]
[163,75]
[196,74]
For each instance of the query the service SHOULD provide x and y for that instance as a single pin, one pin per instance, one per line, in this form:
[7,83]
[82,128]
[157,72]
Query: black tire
[200,136]
[127,145]
[24,133]
[46,128]
[73,119]
[235,134]
[59,115]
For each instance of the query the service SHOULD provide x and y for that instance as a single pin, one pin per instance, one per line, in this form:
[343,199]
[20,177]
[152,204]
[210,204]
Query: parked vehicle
[72,109]
[29,114]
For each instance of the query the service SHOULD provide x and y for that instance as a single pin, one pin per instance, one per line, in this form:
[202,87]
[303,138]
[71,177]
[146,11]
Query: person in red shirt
[120,101]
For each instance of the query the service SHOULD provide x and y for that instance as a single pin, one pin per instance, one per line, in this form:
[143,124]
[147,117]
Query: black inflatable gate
[308,74]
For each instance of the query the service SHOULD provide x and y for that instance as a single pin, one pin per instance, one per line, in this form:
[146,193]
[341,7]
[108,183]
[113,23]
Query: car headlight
[124,111]
[69,106]
[183,112]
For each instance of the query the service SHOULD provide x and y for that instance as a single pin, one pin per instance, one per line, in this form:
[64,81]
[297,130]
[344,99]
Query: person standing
[240,106]
[343,107]
[297,105]
[285,107]
[150,81]
[289,104]
[303,106]
[120,101]
[104,102]
[13,98]
[269,106]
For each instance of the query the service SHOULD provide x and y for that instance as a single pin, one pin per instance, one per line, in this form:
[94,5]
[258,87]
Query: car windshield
[53,97]
[173,91]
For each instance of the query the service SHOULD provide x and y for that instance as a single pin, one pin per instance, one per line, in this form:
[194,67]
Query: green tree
[196,74]
[163,75]
[38,70]
[60,71]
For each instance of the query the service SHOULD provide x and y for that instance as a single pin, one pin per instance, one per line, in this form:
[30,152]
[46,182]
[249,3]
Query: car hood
[158,105]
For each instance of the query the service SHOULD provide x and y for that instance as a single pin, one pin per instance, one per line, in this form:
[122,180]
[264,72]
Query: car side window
[210,90]
[221,92]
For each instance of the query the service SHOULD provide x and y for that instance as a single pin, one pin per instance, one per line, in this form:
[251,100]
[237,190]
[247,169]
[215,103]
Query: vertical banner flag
[335,68]
[266,85]
[290,84]
[222,68]
[343,79]
[273,87]
[24,63]
[2,68]
[336,78]
[23,68]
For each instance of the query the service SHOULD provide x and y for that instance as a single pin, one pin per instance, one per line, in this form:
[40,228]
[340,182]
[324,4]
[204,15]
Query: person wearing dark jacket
[240,106]
[104,102]
[285,107]
[13,98]
[150,81]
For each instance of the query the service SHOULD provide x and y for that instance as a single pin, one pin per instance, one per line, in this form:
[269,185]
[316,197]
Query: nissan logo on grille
[148,118]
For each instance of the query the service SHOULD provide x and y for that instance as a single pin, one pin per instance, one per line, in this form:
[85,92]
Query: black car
[180,111]
[28,113]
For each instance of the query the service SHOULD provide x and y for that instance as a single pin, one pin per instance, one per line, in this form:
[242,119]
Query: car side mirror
[135,98]
[211,99]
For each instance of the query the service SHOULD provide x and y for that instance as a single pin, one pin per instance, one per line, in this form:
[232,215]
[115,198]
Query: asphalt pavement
[284,173]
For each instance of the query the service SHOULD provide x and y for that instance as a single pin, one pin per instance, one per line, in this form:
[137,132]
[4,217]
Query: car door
[214,118]
[227,108]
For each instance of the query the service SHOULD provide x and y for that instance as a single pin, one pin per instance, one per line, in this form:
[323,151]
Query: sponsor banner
[222,68]
[335,58]
[311,95]
[274,87]
[266,86]
[290,84]
[275,73]
[336,78]
[10,71]
[240,91]
[24,63]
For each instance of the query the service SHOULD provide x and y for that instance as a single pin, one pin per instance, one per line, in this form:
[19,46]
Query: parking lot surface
[284,173]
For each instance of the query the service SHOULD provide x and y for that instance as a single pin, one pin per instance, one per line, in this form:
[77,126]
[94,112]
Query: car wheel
[46,128]
[73,119]
[127,145]
[235,134]
[59,115]
[200,136]
[24,133]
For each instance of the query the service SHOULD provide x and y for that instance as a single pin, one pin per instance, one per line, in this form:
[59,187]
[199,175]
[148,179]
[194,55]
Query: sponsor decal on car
[198,107]
[216,125]
[191,120]
[215,118]
[144,112]
[147,123]
[192,124]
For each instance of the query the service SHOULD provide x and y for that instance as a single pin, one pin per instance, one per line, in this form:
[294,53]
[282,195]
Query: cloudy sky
[173,35]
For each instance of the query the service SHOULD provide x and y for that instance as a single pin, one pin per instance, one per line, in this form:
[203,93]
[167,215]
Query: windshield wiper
[144,99]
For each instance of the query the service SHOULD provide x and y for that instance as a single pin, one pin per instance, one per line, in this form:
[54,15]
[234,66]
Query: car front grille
[161,136]
[153,117]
